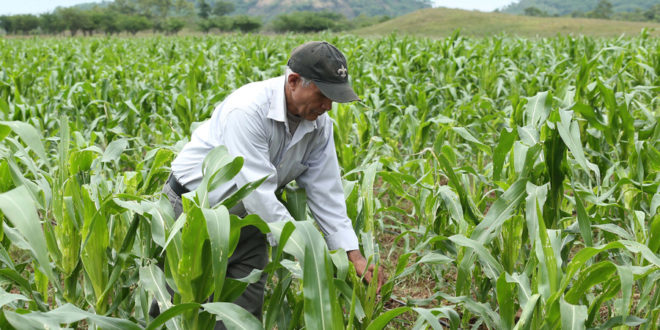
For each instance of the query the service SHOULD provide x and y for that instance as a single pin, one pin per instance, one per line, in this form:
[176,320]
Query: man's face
[308,101]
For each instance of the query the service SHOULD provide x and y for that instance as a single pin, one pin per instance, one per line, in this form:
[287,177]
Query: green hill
[268,9]
[566,7]
[349,8]
[441,22]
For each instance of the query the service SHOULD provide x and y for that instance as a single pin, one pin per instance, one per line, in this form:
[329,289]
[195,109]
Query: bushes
[117,19]
[225,23]
[134,23]
[173,25]
[19,23]
[307,21]
[246,23]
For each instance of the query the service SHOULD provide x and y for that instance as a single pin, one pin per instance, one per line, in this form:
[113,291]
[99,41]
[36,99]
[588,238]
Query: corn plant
[516,179]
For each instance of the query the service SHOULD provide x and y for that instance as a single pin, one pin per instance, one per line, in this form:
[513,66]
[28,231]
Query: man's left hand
[360,264]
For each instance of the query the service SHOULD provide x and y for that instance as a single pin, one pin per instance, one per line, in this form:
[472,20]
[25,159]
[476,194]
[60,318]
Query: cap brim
[341,92]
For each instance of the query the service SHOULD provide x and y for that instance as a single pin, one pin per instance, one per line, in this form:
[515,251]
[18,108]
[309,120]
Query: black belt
[177,187]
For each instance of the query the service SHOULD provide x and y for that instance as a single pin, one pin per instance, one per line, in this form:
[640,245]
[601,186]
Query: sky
[13,7]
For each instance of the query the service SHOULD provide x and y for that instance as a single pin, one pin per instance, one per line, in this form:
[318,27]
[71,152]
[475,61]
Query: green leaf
[242,192]
[583,220]
[383,319]
[500,211]
[28,134]
[153,280]
[524,290]
[233,316]
[171,313]
[483,310]
[367,194]
[527,312]
[490,265]
[225,173]
[506,301]
[65,314]
[455,183]
[433,258]
[296,202]
[626,278]
[537,109]
[631,321]
[592,275]
[506,139]
[161,219]
[81,161]
[570,133]
[452,202]
[430,319]
[114,150]
[572,316]
[217,168]
[6,297]
[318,308]
[19,208]
[192,263]
[218,227]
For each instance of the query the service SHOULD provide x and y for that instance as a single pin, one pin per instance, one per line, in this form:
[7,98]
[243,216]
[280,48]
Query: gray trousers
[251,253]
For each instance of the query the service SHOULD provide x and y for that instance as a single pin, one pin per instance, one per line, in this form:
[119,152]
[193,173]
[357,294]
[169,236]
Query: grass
[442,22]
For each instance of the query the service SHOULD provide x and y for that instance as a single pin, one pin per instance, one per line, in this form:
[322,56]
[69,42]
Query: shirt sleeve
[244,135]
[325,195]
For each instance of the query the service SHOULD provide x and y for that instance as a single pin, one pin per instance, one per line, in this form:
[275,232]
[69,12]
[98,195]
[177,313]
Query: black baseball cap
[326,66]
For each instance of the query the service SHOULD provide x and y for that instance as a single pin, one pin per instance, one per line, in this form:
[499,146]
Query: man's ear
[293,79]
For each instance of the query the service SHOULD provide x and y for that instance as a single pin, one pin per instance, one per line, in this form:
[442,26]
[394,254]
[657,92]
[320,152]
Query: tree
[308,21]
[204,9]
[183,8]
[51,23]
[246,23]
[653,14]
[154,8]
[127,7]
[533,11]
[173,25]
[25,23]
[205,25]
[222,23]
[222,8]
[134,23]
[7,24]
[87,22]
[602,10]
[107,20]
[74,19]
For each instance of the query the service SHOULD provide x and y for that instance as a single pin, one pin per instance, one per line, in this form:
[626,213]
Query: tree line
[604,10]
[170,17]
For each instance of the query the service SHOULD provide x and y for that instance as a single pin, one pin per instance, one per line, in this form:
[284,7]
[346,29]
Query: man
[280,128]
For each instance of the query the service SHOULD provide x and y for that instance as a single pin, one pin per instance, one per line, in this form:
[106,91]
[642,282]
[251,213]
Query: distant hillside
[566,7]
[268,9]
[441,22]
[350,8]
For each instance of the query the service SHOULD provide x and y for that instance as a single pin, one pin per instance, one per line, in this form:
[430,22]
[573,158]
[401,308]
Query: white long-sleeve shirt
[252,123]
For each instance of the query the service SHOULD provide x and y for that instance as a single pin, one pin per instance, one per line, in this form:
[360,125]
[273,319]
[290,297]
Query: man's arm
[325,195]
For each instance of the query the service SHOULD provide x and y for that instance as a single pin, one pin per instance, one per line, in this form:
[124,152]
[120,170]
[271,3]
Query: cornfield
[503,183]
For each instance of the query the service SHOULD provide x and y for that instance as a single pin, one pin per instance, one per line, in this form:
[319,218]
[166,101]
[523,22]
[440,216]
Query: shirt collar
[277,108]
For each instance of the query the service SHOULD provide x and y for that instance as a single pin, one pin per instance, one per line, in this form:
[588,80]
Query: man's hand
[360,264]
